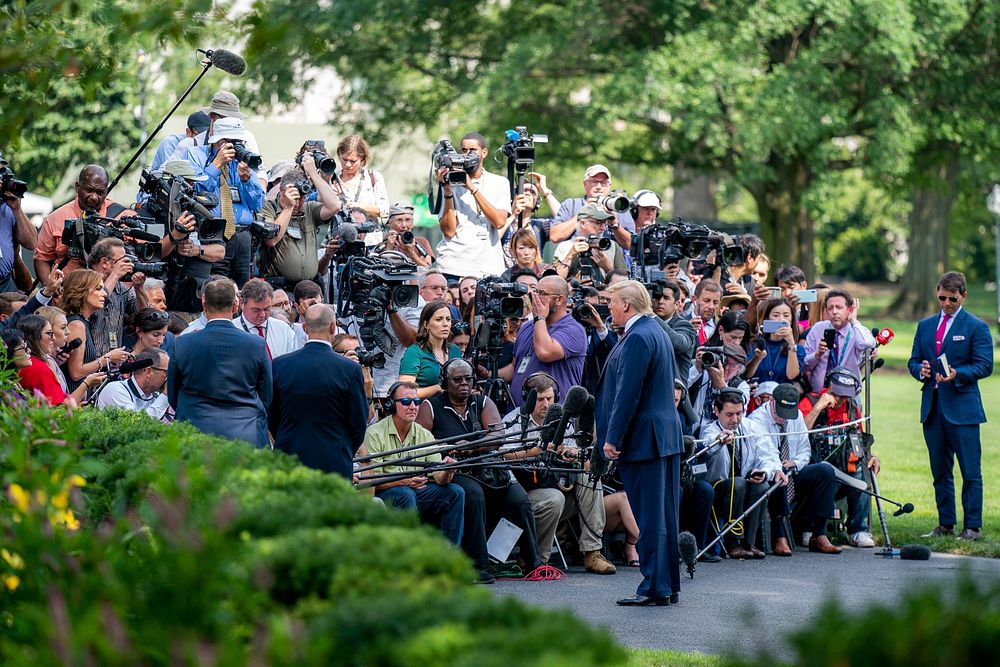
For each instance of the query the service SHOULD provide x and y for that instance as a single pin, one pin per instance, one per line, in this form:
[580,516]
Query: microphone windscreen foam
[688,548]
[348,233]
[552,418]
[530,402]
[914,552]
[134,366]
[576,401]
[585,422]
[228,62]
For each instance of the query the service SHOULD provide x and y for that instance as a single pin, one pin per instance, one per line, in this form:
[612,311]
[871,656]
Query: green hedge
[198,550]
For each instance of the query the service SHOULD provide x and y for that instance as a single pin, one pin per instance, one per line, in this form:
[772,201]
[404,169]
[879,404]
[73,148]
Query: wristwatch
[535,318]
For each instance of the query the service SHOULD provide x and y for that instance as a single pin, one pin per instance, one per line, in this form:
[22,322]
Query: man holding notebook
[952,351]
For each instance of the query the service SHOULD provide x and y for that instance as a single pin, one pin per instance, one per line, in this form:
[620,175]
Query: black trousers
[696,509]
[484,507]
[732,497]
[236,263]
[816,485]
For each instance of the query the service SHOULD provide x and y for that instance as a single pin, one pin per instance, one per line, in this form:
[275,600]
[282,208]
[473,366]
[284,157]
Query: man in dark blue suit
[319,411]
[220,377]
[951,408]
[639,426]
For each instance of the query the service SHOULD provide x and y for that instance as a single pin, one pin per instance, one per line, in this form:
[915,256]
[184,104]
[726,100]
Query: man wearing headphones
[739,471]
[438,500]
[553,498]
[490,492]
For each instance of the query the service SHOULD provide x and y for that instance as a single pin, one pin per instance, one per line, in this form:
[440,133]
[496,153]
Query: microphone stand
[732,524]
[886,551]
[149,139]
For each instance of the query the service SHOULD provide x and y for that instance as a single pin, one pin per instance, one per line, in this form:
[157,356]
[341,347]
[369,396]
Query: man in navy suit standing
[220,377]
[951,409]
[320,411]
[639,426]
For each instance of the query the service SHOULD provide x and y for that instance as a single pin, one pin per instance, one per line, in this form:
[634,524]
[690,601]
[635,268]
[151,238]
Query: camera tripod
[494,386]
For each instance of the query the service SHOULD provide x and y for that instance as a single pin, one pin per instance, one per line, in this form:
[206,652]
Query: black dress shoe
[709,558]
[675,598]
[485,577]
[643,601]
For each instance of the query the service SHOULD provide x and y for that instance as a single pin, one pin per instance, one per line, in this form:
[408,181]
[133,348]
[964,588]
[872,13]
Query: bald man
[319,409]
[551,341]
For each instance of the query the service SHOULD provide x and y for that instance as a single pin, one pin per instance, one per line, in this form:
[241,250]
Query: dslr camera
[711,356]
[9,184]
[458,164]
[579,307]
[247,156]
[324,162]
[616,201]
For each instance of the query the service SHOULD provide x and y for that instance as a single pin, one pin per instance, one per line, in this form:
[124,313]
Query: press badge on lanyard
[235,194]
[524,364]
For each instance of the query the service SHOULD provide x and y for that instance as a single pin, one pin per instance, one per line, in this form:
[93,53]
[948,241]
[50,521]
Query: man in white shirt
[141,391]
[256,318]
[473,218]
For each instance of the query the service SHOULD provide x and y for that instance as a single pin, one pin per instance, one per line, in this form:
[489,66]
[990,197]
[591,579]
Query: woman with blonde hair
[83,295]
[360,187]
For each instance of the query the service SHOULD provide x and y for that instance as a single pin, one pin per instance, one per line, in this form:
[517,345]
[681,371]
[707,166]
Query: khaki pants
[552,506]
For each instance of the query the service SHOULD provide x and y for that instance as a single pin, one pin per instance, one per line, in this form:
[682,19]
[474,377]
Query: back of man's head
[219,297]
[319,321]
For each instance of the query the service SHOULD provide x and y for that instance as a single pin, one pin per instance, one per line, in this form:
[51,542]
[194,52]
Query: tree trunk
[694,195]
[785,225]
[933,196]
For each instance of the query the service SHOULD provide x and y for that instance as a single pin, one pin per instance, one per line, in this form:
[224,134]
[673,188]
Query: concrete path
[742,605]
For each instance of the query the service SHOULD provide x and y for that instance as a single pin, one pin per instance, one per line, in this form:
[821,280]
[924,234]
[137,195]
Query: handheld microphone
[70,346]
[576,401]
[133,366]
[883,336]
[227,61]
[688,548]
[905,509]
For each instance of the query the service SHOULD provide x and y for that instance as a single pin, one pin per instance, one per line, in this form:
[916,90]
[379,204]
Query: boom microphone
[576,401]
[141,235]
[914,552]
[133,366]
[227,61]
[688,548]
[905,509]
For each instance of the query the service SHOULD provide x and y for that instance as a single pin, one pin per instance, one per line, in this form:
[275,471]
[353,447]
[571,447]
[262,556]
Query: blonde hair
[77,286]
[51,313]
[526,237]
[634,294]
[355,143]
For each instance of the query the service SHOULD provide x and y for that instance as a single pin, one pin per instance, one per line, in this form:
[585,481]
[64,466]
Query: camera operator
[473,218]
[400,237]
[552,341]
[92,196]
[741,275]
[15,229]
[292,255]
[600,338]
[526,205]
[347,346]
[684,338]
[596,183]
[140,391]
[256,319]
[224,105]
[582,258]
[707,380]
[239,193]
[108,258]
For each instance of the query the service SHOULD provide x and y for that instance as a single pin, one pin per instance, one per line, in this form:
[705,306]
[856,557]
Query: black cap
[199,121]
[845,382]
[786,401]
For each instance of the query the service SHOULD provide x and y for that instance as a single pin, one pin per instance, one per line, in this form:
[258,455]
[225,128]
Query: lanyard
[843,348]
[267,323]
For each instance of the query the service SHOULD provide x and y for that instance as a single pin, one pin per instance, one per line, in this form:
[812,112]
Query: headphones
[633,207]
[540,374]
[389,402]
[728,391]
[443,378]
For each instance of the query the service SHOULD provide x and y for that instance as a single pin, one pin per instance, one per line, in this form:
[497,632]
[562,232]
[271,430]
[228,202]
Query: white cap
[765,388]
[595,169]
[648,198]
[228,128]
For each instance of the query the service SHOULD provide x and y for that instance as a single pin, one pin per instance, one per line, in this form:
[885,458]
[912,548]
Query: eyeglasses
[461,379]
[942,298]
[281,304]
[407,401]
[157,368]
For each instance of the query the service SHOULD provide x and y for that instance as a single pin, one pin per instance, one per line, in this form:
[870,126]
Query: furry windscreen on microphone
[552,418]
[228,62]
[576,401]
[914,552]
[348,233]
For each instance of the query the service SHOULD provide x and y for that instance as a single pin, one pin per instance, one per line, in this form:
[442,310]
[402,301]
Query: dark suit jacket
[319,411]
[969,348]
[685,340]
[635,397]
[220,380]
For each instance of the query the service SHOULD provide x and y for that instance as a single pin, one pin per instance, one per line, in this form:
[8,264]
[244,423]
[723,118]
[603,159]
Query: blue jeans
[858,504]
[441,505]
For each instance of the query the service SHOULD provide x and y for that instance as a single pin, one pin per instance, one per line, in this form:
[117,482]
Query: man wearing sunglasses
[438,500]
[141,391]
[952,351]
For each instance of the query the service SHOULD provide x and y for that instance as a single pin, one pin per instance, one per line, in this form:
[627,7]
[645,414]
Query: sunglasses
[463,379]
[156,317]
[942,298]
[409,401]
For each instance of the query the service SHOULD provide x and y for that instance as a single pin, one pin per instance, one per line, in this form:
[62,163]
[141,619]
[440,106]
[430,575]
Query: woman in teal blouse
[422,361]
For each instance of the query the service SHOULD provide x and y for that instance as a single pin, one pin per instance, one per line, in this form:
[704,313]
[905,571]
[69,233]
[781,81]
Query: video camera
[459,165]
[579,307]
[368,285]
[170,196]
[80,234]
[659,243]
[9,184]
[261,230]
[499,301]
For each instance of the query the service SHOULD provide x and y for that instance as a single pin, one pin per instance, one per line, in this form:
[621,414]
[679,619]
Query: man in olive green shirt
[438,500]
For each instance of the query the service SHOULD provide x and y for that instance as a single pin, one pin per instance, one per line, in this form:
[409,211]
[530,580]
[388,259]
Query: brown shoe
[738,552]
[940,531]
[755,552]
[821,544]
[971,534]
[781,547]
[595,562]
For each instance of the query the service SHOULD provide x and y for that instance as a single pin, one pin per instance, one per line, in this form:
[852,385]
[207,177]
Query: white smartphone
[805,295]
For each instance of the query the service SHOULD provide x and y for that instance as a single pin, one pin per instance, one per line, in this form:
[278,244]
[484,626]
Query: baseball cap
[224,103]
[764,388]
[279,169]
[181,168]
[786,400]
[648,198]
[595,169]
[845,381]
[199,121]
[400,208]
[593,212]
[228,128]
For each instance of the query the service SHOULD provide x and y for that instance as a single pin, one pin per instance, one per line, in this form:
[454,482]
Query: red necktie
[702,336]
[939,337]
[260,332]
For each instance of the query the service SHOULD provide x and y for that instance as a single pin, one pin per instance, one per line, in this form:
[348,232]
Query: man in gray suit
[665,295]
[220,377]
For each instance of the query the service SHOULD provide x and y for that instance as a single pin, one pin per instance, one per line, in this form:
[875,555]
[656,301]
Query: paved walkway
[742,605]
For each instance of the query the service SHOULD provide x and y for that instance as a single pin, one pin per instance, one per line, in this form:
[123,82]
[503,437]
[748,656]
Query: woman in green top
[422,361]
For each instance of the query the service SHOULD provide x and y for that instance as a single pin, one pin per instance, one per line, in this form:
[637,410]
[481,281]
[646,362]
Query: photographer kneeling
[141,391]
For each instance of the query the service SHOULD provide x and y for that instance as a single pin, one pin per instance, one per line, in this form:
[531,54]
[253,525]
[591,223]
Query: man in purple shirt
[850,341]
[551,341]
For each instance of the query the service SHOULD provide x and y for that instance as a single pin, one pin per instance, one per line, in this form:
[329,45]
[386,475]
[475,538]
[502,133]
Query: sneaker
[862,539]
[595,562]
[971,534]
[485,577]
[941,531]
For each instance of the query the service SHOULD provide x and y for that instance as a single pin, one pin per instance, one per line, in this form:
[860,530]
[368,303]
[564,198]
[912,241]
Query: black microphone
[141,235]
[552,418]
[688,446]
[133,366]
[576,401]
[688,548]
[227,61]
[905,509]
[585,425]
[529,403]
[914,552]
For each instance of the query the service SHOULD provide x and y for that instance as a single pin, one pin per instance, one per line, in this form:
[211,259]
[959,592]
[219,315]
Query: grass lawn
[642,657]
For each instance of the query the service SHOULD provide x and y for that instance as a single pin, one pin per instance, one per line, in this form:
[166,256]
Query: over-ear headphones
[726,392]
[634,202]
[389,402]
[443,378]
[525,389]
